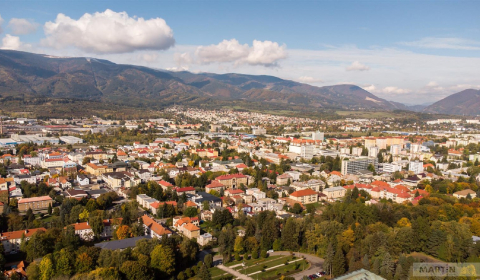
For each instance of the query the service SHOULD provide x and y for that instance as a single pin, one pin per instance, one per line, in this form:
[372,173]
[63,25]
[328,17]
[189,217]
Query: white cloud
[266,53]
[148,57]
[370,88]
[309,80]
[183,58]
[444,43]
[395,90]
[108,32]
[10,42]
[1,22]
[357,66]
[21,26]
[432,84]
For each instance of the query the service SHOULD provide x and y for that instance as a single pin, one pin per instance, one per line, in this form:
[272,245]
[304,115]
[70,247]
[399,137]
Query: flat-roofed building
[34,203]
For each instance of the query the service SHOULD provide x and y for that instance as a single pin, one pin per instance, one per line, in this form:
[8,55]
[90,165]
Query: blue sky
[407,51]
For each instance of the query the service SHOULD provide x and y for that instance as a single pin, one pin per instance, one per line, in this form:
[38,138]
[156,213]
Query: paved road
[234,272]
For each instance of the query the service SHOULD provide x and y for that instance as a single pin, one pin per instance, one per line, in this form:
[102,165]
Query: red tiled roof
[19,233]
[303,193]
[230,176]
[154,226]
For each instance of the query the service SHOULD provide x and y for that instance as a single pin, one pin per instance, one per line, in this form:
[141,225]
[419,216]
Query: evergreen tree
[329,259]
[290,235]
[398,272]
[387,266]
[366,262]
[204,273]
[338,265]
[376,266]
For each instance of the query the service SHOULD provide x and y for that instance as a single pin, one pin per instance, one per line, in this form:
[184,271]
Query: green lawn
[282,270]
[252,261]
[266,264]
[214,271]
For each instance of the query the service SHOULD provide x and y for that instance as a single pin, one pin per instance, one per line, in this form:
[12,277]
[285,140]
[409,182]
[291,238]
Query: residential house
[154,229]
[34,203]
[11,240]
[334,193]
[464,193]
[305,196]
[232,181]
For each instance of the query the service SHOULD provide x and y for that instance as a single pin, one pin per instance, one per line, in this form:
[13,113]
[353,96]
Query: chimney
[87,223]
[26,231]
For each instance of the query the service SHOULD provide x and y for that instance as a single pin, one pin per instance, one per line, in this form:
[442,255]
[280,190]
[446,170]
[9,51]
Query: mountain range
[28,76]
[466,102]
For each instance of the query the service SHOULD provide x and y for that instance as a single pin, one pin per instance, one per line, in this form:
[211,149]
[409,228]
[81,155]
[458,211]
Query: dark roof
[206,196]
[99,191]
[121,244]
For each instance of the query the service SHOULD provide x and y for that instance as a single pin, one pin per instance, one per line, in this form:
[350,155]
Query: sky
[412,52]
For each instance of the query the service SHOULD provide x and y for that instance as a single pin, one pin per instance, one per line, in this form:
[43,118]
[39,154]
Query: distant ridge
[28,75]
[466,102]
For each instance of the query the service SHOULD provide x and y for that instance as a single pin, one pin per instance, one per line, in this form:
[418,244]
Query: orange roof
[380,184]
[190,204]
[34,199]
[19,233]
[230,176]
[154,226]
[191,227]
[303,193]
[336,173]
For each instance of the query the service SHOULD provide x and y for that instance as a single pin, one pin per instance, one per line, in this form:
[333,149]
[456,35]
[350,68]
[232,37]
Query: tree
[226,243]
[290,235]
[64,263]
[189,249]
[204,273]
[208,260]
[123,232]
[96,223]
[46,268]
[277,245]
[162,258]
[297,208]
[338,264]
[49,209]
[191,212]
[329,256]
[84,263]
[366,262]
[33,271]
[135,271]
[238,247]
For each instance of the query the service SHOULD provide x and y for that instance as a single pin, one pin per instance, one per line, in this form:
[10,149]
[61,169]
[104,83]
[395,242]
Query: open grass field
[286,270]
[252,261]
[217,272]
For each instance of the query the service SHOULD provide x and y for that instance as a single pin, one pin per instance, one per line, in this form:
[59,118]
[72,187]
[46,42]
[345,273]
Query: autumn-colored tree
[238,247]
[123,232]
[84,263]
[47,270]
[404,222]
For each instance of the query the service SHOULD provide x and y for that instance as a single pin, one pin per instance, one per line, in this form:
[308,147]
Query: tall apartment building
[416,167]
[318,136]
[373,151]
[305,151]
[352,165]
[395,149]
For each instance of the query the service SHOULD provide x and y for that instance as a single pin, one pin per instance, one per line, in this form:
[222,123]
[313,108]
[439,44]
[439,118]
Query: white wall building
[416,167]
